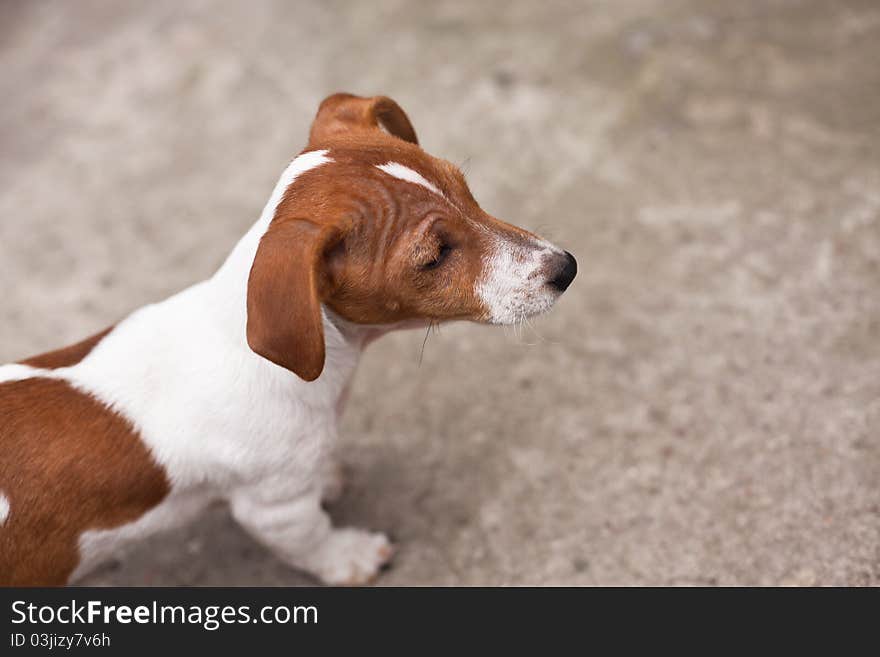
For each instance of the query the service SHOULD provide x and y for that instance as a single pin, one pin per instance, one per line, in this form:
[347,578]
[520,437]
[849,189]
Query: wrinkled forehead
[341,185]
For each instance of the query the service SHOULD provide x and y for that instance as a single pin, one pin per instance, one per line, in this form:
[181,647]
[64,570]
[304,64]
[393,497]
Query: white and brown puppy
[231,389]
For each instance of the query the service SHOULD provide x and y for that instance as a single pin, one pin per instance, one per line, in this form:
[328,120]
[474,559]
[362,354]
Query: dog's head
[382,233]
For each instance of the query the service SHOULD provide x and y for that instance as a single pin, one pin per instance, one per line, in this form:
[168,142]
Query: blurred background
[701,407]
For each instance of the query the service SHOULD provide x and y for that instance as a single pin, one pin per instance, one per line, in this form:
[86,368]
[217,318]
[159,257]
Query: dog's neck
[225,295]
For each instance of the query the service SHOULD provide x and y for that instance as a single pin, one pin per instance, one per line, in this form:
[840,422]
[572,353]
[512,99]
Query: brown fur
[346,114]
[69,465]
[284,308]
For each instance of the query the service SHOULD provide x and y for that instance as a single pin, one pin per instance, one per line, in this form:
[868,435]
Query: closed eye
[442,254]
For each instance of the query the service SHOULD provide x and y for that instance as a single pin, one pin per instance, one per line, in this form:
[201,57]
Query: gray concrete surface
[703,405]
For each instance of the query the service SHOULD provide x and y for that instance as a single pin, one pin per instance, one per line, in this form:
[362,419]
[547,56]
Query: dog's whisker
[534,329]
[424,342]
[519,326]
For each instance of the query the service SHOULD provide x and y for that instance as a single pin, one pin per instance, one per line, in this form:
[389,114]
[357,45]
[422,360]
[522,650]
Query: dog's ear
[341,113]
[284,322]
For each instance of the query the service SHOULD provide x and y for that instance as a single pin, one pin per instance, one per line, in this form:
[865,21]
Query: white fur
[405,173]
[512,287]
[225,423]
[4,508]
[16,372]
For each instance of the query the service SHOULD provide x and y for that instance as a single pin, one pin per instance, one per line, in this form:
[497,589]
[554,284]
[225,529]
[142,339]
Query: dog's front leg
[298,530]
[332,480]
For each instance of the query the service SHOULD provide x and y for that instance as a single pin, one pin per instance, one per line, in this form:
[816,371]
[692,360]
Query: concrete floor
[703,405]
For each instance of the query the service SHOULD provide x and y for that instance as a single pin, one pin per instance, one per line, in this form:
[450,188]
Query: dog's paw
[352,557]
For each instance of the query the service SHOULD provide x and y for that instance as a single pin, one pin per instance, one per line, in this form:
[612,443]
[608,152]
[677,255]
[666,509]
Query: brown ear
[284,322]
[341,113]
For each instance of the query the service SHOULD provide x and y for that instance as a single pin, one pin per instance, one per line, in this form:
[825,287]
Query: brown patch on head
[67,356]
[69,465]
[374,248]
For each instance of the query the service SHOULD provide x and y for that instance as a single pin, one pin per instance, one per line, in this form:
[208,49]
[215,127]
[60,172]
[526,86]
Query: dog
[231,389]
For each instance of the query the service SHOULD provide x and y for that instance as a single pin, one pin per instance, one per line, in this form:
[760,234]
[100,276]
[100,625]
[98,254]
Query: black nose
[566,274]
